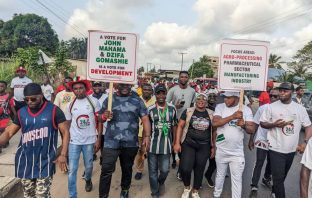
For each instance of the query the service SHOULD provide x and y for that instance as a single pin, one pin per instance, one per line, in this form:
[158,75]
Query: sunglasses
[31,99]
[273,96]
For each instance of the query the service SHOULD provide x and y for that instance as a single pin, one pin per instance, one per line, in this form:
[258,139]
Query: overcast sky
[167,27]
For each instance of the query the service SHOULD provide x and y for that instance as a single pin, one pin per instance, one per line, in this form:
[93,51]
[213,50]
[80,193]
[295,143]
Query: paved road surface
[174,188]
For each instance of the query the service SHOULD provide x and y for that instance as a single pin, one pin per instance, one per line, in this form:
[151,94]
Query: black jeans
[280,165]
[261,155]
[194,158]
[211,168]
[126,158]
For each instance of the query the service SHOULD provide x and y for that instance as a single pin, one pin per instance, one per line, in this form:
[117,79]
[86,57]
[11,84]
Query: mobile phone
[182,102]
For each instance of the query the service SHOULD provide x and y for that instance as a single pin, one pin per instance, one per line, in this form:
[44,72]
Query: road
[174,188]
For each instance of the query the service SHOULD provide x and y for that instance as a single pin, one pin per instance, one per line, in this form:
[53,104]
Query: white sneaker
[195,195]
[186,193]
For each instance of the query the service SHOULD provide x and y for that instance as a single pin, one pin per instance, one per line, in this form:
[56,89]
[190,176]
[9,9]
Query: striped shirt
[160,143]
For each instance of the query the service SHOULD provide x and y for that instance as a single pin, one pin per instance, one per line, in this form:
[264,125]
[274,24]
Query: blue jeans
[157,163]
[73,159]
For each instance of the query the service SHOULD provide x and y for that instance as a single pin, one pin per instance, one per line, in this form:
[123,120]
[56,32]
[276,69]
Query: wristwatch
[306,141]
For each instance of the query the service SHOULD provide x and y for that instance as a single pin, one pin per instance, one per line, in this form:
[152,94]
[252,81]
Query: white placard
[243,65]
[112,57]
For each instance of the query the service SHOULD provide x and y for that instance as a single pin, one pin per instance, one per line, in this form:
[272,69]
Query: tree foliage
[201,67]
[77,48]
[274,61]
[24,31]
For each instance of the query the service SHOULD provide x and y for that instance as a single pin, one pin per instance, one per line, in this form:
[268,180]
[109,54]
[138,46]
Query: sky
[169,27]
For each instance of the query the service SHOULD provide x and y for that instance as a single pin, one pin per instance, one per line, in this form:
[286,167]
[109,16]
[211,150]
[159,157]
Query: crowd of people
[186,124]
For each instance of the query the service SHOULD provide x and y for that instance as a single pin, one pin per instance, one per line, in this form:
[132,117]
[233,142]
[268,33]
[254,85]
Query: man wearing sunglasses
[284,119]
[36,155]
[259,140]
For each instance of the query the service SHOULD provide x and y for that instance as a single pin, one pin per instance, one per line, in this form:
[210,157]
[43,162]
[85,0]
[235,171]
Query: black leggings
[194,158]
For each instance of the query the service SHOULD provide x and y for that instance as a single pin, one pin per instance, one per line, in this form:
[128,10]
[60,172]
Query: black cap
[32,89]
[160,87]
[287,86]
[96,83]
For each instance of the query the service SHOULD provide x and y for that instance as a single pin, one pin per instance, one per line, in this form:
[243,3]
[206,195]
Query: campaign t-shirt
[176,94]
[18,85]
[230,137]
[63,98]
[285,140]
[261,140]
[83,127]
[199,127]
[47,91]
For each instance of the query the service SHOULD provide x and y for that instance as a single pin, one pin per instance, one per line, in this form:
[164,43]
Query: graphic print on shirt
[83,121]
[233,123]
[200,123]
[66,99]
[288,129]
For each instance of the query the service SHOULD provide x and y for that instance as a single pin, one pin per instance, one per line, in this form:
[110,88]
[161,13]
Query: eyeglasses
[32,99]
[273,96]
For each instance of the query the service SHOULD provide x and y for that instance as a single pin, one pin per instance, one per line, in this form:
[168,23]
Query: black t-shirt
[199,127]
[59,116]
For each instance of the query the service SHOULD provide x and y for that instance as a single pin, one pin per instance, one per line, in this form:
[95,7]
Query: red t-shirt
[4,110]
[264,98]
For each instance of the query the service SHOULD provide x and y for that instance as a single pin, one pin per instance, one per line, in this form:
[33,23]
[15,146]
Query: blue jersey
[37,148]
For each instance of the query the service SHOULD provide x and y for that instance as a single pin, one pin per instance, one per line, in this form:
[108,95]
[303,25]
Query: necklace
[162,115]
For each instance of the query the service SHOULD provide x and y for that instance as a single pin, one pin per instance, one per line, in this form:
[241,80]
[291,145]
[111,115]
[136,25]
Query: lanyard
[162,115]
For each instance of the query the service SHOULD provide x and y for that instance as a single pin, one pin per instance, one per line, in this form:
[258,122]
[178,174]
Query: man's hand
[178,105]
[301,148]
[177,148]
[107,116]
[62,161]
[97,146]
[237,115]
[251,145]
[280,123]
[146,143]
[241,123]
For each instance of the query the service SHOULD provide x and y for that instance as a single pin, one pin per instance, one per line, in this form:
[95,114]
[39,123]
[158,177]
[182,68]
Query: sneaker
[124,194]
[267,183]
[179,176]
[195,195]
[88,186]
[173,165]
[83,176]
[161,189]
[94,157]
[210,182]
[253,192]
[273,195]
[138,176]
[186,193]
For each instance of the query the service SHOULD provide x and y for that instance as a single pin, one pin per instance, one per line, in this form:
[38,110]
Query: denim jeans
[157,163]
[73,159]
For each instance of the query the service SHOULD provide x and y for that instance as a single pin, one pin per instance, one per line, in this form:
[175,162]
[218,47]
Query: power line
[60,18]
[182,54]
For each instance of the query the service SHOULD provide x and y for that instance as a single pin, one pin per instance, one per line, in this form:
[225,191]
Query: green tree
[28,30]
[77,48]
[274,61]
[287,77]
[61,65]
[201,67]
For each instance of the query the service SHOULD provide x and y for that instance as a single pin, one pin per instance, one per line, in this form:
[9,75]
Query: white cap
[230,93]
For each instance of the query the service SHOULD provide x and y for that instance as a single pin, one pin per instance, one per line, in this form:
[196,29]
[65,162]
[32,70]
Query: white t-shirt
[230,136]
[285,140]
[261,140]
[307,162]
[83,127]
[47,91]
[18,84]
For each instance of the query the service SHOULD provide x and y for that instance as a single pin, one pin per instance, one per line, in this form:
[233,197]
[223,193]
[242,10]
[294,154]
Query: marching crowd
[189,126]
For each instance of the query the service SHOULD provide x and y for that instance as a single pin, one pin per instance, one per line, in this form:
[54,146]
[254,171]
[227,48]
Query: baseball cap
[230,93]
[287,86]
[201,94]
[97,83]
[160,87]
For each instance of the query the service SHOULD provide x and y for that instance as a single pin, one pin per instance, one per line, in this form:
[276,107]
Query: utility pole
[149,66]
[192,69]
[182,53]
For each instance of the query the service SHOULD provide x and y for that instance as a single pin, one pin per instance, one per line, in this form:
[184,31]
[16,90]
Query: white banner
[243,65]
[112,57]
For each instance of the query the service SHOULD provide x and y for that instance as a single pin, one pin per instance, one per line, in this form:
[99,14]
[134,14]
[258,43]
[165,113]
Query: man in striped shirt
[163,119]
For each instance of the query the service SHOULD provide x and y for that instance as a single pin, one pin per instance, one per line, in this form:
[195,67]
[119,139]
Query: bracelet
[306,141]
